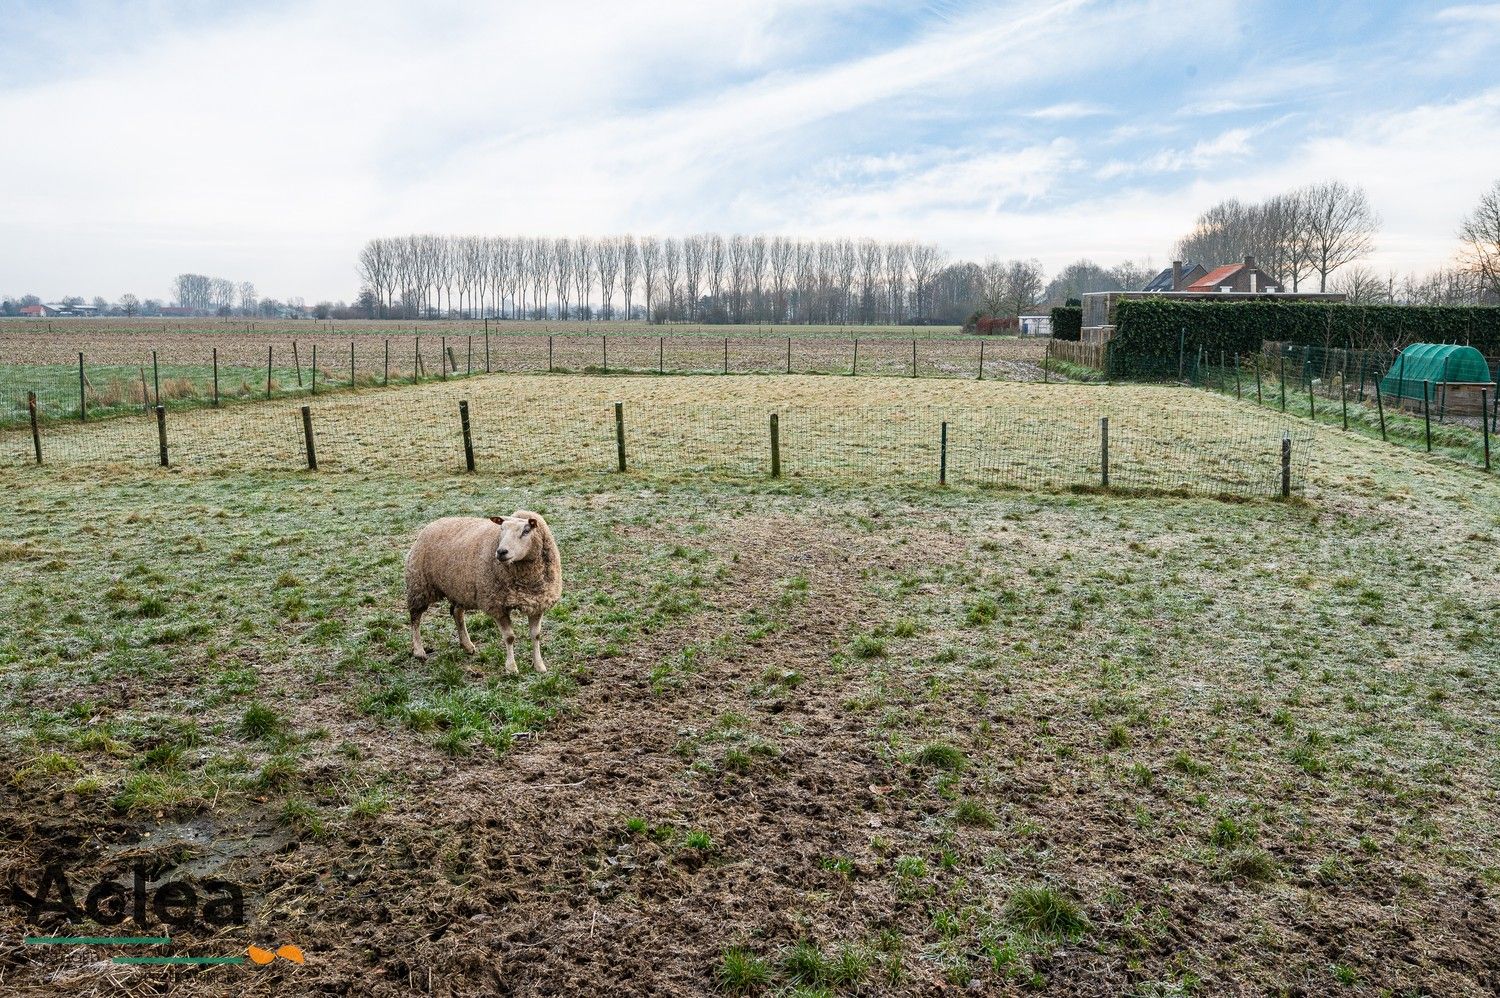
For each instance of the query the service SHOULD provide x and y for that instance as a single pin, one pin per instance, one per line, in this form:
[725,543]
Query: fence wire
[1174,448]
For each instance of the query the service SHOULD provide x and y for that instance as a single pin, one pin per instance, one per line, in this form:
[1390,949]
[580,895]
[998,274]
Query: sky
[265,142]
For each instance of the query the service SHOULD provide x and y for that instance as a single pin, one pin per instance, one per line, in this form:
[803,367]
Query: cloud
[1473,13]
[1068,111]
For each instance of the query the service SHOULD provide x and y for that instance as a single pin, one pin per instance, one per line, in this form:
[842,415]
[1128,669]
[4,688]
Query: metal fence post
[549,353]
[297,363]
[776,446]
[981,360]
[661,355]
[1484,423]
[216,377]
[269,350]
[387,378]
[351,364]
[620,434]
[1104,451]
[788,355]
[604,344]
[853,370]
[1380,408]
[416,357]
[307,437]
[1427,411]
[942,453]
[83,401]
[1282,365]
[463,418]
[486,346]
[315,369]
[36,433]
[161,432]
[1286,464]
[726,355]
[913,358]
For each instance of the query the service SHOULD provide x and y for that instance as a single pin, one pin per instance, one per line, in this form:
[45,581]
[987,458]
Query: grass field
[799,737]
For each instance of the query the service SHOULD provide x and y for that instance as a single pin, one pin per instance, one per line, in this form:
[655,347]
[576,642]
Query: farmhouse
[38,311]
[1230,282]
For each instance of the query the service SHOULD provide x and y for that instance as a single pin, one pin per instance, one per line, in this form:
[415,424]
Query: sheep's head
[517,532]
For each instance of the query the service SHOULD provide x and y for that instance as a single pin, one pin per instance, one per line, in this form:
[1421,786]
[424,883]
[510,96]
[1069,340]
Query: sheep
[494,565]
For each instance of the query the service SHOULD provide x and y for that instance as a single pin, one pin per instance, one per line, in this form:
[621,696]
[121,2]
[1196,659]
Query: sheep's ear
[497,519]
[531,522]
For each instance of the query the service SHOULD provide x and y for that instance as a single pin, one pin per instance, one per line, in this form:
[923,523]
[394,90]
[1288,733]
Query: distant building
[38,311]
[1233,281]
[1175,278]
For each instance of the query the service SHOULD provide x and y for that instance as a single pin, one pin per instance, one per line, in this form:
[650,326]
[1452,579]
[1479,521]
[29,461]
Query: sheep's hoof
[541,667]
[420,656]
[471,649]
[511,670]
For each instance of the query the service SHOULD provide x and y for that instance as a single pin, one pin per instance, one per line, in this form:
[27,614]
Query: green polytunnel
[1435,364]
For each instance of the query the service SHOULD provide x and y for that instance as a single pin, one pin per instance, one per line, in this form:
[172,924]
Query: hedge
[1067,323]
[1154,327]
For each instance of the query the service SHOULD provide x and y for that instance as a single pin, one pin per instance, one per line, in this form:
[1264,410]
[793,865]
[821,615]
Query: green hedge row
[1154,327]
[1067,323]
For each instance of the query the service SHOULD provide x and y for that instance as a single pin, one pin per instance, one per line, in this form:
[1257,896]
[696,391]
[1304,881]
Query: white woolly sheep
[495,565]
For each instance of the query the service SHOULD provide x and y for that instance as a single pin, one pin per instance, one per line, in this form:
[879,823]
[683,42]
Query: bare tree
[583,261]
[1362,286]
[925,259]
[897,272]
[1341,227]
[248,298]
[1480,233]
[757,265]
[650,270]
[782,254]
[671,269]
[694,257]
[607,256]
[562,274]
[739,276]
[630,265]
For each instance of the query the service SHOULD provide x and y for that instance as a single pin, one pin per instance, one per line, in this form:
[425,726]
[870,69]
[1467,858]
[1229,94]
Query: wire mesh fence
[483,425]
[118,375]
[1439,407]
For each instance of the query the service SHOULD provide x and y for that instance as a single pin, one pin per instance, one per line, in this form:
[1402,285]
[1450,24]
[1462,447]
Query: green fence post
[620,434]
[36,433]
[775,446]
[1484,423]
[1427,411]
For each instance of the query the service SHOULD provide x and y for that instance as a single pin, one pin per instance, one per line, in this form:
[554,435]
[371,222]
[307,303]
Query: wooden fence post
[788,355]
[351,364]
[387,378]
[913,358]
[1282,361]
[83,402]
[604,350]
[549,353]
[776,446]
[307,437]
[1286,464]
[416,356]
[620,434]
[269,350]
[942,453]
[161,432]
[981,360]
[463,418]
[726,355]
[855,368]
[486,346]
[661,355]
[1104,451]
[1344,400]
[36,433]
[216,377]
[297,363]
[315,368]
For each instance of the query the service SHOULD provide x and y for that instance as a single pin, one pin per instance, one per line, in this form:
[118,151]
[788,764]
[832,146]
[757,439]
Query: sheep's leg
[417,651]
[535,622]
[503,619]
[463,630]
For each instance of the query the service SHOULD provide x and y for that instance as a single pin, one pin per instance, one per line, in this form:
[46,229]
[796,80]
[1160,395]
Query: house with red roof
[1235,278]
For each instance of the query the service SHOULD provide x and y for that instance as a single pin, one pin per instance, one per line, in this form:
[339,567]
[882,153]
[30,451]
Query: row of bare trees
[213,295]
[698,278]
[1312,230]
